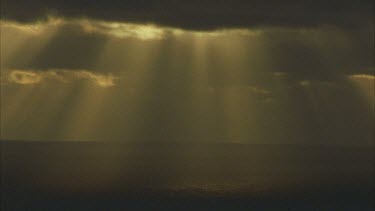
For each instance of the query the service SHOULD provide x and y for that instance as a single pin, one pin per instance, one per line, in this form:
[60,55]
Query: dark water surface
[188,176]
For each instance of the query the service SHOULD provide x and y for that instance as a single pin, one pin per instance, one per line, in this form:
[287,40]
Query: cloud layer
[322,53]
[29,77]
[202,14]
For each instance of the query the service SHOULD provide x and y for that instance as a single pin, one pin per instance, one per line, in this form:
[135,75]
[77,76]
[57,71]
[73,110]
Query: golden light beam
[366,86]
[16,39]
[22,113]
[85,112]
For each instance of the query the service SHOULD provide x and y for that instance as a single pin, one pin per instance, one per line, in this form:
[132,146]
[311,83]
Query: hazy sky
[299,72]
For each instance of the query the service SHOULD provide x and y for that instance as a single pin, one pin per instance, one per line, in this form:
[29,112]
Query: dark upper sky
[200,14]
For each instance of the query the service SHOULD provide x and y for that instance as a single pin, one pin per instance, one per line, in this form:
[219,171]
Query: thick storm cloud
[200,15]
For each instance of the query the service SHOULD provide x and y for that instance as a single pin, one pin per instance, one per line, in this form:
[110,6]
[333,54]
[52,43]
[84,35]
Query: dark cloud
[202,14]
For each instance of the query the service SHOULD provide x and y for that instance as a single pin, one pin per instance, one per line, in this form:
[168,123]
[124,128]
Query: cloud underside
[199,15]
[229,57]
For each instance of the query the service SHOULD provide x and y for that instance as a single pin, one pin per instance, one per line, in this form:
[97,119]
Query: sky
[255,72]
[208,98]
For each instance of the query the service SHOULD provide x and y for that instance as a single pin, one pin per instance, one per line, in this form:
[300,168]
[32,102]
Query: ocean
[185,176]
